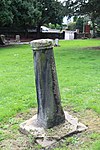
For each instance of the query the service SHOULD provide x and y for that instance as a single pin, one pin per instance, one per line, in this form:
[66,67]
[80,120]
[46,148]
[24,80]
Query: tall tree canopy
[83,7]
[26,13]
[92,9]
[6,16]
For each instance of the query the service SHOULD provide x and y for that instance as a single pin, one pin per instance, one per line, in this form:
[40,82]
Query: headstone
[50,112]
[2,39]
[18,38]
[56,42]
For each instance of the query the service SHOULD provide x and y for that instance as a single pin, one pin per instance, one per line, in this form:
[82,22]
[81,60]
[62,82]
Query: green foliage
[98,23]
[18,13]
[75,18]
[72,26]
[58,26]
[25,13]
[78,73]
[79,85]
[90,7]
[68,8]
[16,65]
[83,7]
[53,26]
[6,16]
[95,136]
[95,146]
[79,24]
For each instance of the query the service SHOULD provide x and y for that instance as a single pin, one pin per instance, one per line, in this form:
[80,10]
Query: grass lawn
[78,69]
[79,74]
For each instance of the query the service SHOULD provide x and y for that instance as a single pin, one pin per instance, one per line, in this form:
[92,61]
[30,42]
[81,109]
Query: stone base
[47,137]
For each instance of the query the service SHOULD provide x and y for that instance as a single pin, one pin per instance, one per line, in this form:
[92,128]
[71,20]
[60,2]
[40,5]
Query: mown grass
[16,80]
[78,69]
[78,73]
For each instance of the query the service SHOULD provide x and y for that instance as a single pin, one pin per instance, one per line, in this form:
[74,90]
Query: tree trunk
[39,32]
[93,24]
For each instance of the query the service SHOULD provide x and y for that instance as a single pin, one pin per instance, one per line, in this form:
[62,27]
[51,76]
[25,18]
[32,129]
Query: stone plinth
[47,137]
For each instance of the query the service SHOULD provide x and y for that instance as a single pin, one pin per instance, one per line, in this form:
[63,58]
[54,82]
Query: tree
[98,23]
[79,24]
[51,12]
[68,8]
[83,7]
[92,9]
[25,13]
[72,26]
[6,16]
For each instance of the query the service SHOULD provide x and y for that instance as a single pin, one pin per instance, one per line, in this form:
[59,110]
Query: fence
[25,35]
[10,34]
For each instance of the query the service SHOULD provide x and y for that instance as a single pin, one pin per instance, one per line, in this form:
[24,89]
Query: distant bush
[53,26]
[72,26]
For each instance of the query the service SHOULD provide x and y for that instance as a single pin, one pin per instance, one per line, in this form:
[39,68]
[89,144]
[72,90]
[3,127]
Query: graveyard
[78,71]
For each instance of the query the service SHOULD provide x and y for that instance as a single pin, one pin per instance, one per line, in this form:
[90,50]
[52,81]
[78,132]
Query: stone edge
[41,44]
[45,141]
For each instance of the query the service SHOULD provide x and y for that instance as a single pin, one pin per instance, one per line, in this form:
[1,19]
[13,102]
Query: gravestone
[56,42]
[18,38]
[50,112]
[2,39]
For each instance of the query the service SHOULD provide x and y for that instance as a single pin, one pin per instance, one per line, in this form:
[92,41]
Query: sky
[65,19]
[61,0]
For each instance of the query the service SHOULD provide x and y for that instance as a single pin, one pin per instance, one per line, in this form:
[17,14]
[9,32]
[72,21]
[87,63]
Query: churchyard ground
[78,69]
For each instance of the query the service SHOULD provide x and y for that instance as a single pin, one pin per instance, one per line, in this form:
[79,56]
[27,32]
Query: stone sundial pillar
[50,112]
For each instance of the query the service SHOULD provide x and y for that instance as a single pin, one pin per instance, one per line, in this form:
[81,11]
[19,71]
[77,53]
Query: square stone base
[47,137]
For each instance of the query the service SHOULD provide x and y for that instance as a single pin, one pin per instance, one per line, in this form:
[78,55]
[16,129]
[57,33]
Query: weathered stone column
[50,112]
